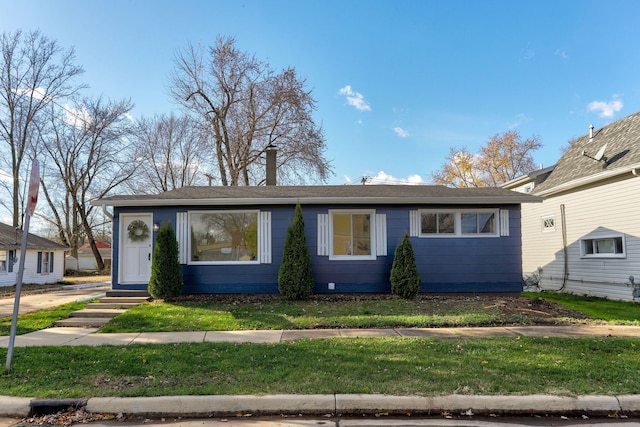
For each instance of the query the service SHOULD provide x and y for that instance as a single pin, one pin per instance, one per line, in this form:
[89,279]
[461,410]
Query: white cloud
[383,178]
[79,119]
[401,132]
[37,93]
[606,109]
[5,176]
[561,53]
[355,99]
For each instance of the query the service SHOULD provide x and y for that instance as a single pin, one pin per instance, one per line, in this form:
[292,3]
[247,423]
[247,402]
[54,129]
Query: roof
[325,194]
[11,239]
[578,167]
[536,174]
[103,247]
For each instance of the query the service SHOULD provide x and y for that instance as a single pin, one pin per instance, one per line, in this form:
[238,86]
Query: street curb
[15,406]
[221,405]
[337,405]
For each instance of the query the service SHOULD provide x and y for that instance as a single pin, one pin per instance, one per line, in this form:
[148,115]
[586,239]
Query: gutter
[325,200]
[590,179]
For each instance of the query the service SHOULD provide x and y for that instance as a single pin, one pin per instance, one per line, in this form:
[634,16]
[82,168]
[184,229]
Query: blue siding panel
[488,264]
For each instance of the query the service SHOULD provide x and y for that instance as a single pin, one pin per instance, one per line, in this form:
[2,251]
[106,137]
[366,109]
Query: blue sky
[397,83]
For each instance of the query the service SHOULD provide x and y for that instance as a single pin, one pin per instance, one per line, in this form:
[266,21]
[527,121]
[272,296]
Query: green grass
[282,314]
[38,320]
[395,366]
[614,312]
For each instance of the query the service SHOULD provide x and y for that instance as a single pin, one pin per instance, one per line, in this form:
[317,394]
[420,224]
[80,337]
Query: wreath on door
[138,231]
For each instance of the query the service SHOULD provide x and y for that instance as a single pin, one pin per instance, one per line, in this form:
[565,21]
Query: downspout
[565,254]
[106,212]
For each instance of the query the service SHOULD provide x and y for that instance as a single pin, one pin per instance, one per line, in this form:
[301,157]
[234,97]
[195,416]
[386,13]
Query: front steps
[96,315]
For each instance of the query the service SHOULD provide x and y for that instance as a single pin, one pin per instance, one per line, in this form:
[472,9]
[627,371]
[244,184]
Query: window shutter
[39,270]
[264,239]
[11,258]
[323,234]
[414,223]
[50,262]
[504,222]
[182,236]
[381,234]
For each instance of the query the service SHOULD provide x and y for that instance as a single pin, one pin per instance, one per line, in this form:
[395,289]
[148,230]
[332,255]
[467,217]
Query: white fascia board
[588,180]
[326,200]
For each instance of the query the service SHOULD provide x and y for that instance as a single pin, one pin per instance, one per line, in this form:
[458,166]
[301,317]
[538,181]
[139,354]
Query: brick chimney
[271,165]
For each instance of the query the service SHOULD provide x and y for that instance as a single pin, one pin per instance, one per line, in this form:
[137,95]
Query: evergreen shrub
[405,279]
[295,280]
[166,271]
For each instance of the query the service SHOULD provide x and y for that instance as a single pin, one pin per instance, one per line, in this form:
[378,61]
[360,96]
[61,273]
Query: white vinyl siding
[606,209]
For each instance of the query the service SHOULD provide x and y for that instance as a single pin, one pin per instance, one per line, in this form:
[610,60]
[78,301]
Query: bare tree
[503,158]
[34,72]
[249,108]
[173,149]
[88,145]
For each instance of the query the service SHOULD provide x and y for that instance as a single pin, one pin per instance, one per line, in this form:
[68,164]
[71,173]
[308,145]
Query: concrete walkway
[88,336]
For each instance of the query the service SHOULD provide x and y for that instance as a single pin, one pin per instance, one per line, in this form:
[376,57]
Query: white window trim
[543,221]
[592,237]
[501,218]
[259,234]
[5,270]
[372,233]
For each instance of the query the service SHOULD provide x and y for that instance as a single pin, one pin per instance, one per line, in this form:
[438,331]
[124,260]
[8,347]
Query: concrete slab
[368,333]
[485,332]
[49,337]
[169,337]
[575,331]
[105,339]
[40,301]
[301,334]
[258,337]
[11,406]
[214,405]
[426,332]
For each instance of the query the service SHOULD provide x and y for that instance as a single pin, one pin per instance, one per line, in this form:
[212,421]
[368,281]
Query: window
[3,261]
[548,223]
[351,234]
[603,247]
[437,223]
[462,223]
[224,237]
[45,262]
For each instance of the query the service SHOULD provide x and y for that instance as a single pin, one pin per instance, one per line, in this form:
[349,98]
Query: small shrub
[166,271]
[295,280]
[405,279]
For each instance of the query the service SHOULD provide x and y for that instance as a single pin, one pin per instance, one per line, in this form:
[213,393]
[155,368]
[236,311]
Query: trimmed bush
[166,271]
[405,279]
[295,280]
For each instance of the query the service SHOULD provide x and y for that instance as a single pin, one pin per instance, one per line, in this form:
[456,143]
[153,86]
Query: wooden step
[83,322]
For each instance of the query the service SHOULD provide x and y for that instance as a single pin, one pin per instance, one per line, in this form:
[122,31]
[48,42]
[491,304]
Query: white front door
[136,232]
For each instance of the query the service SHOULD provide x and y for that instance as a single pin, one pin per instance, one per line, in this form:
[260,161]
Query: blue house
[231,239]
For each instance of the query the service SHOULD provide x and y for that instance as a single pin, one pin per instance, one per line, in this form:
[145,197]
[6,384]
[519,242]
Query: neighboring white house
[43,264]
[584,238]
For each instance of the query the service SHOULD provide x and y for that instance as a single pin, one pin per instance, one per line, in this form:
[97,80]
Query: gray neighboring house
[44,262]
[584,238]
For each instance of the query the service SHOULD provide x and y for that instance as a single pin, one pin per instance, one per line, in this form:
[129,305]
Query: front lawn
[225,313]
[397,366]
[614,312]
[41,319]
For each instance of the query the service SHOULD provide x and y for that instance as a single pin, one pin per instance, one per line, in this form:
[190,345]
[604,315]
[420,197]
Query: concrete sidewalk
[88,336]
